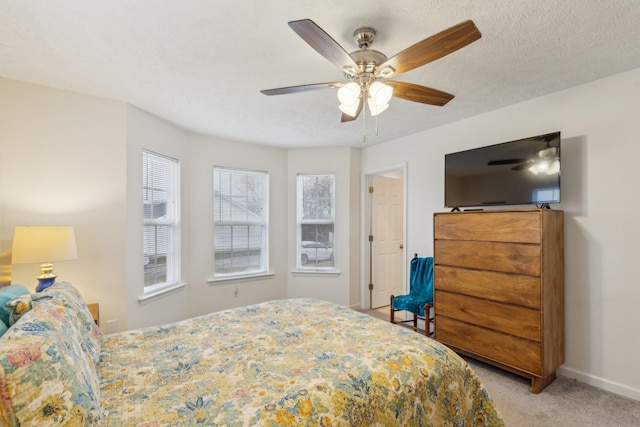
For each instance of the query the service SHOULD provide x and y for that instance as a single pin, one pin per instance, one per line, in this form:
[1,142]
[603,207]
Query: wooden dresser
[499,289]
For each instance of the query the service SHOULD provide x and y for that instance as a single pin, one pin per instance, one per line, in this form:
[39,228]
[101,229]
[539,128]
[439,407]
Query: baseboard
[613,387]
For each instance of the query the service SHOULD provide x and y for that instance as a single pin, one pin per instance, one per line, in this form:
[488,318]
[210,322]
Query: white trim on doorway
[397,171]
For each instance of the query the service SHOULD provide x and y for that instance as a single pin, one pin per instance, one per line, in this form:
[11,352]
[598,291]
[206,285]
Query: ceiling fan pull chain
[376,125]
[364,123]
[364,128]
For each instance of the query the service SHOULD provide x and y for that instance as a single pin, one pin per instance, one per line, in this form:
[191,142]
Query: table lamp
[38,244]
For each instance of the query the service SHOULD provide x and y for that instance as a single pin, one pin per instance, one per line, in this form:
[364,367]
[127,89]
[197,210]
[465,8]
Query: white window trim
[240,278]
[155,290]
[311,270]
[331,272]
[169,289]
[230,277]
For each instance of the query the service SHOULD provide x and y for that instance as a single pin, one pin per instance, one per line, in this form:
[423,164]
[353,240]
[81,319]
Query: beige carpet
[564,403]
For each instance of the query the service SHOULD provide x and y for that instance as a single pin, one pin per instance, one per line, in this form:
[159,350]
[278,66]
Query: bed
[297,362]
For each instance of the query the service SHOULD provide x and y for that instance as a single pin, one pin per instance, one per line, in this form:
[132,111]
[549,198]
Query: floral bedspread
[300,362]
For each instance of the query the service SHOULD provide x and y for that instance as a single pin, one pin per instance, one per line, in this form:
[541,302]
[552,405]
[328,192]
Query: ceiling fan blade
[430,49]
[301,88]
[418,93]
[326,46]
[506,162]
[348,118]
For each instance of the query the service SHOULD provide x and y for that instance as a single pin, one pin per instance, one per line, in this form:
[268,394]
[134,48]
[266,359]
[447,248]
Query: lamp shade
[37,244]
[44,245]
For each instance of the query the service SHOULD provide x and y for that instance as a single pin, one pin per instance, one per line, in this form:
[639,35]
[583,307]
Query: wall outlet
[112,326]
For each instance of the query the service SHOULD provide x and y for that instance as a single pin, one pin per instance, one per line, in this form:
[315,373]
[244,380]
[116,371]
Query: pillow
[17,307]
[66,295]
[7,294]
[46,376]
[3,328]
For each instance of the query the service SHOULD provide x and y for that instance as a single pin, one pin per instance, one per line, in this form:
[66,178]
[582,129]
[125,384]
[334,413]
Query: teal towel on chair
[420,287]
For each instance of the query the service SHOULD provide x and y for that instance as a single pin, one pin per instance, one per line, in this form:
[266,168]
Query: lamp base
[46,277]
[45,283]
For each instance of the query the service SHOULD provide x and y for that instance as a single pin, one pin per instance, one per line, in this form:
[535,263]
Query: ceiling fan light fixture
[387,71]
[349,70]
[363,68]
[349,94]
[380,93]
[350,110]
[375,108]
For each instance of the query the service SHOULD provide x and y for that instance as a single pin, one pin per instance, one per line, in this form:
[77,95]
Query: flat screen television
[521,172]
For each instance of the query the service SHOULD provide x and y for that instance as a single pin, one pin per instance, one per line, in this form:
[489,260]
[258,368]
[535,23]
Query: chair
[420,298]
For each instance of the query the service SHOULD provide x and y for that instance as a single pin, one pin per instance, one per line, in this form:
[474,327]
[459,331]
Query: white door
[387,252]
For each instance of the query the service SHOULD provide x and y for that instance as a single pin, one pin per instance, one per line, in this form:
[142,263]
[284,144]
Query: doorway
[384,236]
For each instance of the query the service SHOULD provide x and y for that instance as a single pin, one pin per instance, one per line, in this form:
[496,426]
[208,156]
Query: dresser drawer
[503,287]
[518,353]
[510,319]
[516,227]
[503,257]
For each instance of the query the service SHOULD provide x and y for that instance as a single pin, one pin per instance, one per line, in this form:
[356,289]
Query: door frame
[400,168]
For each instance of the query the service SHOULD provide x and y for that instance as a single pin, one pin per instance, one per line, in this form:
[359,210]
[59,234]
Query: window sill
[150,296]
[246,278]
[319,272]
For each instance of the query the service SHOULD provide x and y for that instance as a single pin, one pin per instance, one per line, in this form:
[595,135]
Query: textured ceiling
[201,64]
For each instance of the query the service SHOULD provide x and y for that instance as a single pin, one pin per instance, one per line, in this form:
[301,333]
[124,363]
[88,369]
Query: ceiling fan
[366,71]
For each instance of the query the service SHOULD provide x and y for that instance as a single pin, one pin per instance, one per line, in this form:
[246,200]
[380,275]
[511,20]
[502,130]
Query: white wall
[204,154]
[148,132]
[64,163]
[343,287]
[198,155]
[354,230]
[600,175]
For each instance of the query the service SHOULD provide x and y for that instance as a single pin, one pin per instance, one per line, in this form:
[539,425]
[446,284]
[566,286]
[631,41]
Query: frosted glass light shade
[374,108]
[349,110]
[349,93]
[380,93]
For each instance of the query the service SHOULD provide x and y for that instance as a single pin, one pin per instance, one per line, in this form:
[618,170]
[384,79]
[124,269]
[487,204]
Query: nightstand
[94,309]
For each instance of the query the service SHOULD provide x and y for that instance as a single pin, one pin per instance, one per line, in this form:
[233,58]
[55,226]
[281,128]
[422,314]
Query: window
[161,204]
[241,222]
[316,215]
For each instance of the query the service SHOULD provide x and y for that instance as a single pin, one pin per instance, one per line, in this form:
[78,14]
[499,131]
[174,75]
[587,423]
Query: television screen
[520,172]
